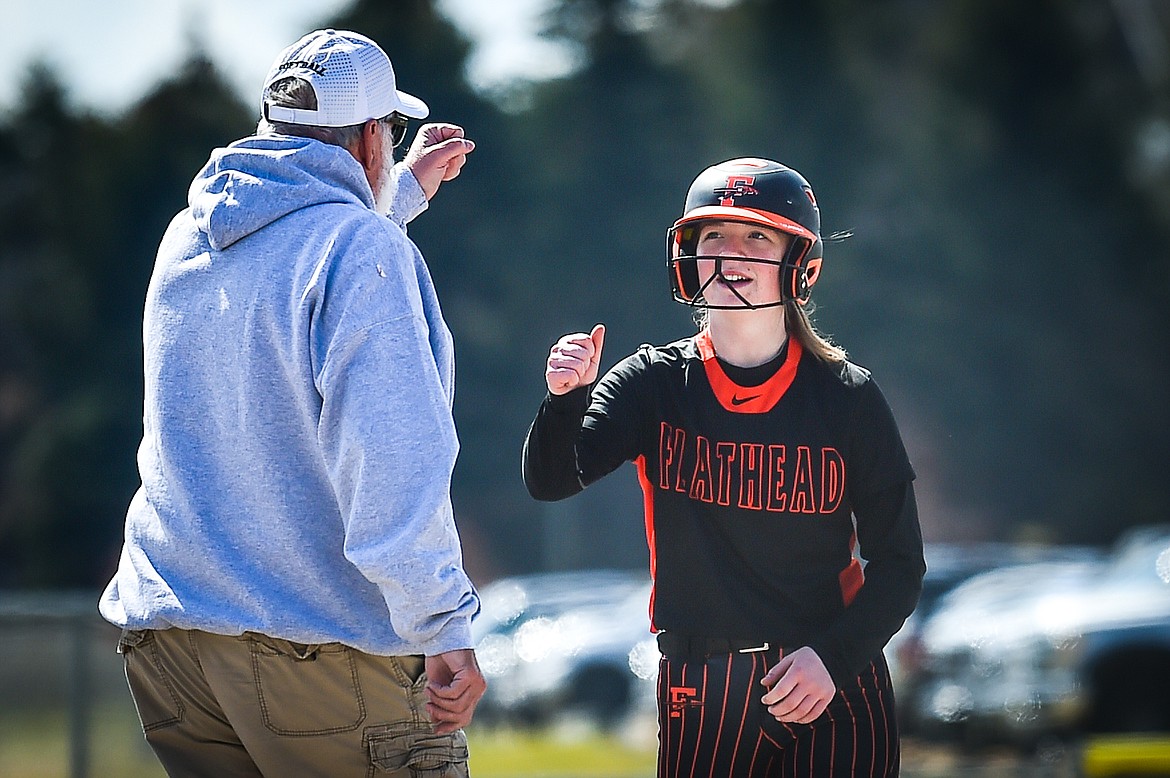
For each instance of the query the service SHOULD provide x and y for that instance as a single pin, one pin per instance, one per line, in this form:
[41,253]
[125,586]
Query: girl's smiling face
[740,278]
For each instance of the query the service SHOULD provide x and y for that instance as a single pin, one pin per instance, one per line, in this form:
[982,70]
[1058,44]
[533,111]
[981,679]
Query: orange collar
[747,399]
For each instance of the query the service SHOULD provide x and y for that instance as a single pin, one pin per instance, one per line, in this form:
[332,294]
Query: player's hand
[437,155]
[573,360]
[454,687]
[799,687]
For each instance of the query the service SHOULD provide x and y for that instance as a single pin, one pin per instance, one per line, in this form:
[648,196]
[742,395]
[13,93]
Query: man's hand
[437,155]
[454,686]
[799,687]
[574,360]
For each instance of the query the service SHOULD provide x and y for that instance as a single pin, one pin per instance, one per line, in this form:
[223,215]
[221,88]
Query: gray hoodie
[297,441]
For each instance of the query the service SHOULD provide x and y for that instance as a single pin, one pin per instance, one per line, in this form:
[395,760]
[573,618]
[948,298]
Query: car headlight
[643,658]
[496,655]
[536,639]
[951,703]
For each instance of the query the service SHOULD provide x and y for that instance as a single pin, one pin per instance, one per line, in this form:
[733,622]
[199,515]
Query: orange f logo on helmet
[737,186]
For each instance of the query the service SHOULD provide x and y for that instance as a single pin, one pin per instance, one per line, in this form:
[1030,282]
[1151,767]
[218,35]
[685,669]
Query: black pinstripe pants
[711,724]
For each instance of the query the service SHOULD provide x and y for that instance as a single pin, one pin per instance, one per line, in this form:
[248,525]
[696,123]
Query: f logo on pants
[681,697]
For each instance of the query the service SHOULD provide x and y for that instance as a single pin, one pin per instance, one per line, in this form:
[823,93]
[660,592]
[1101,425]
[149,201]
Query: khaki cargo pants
[214,706]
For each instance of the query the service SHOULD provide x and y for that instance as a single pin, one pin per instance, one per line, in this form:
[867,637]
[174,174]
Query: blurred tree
[85,203]
[46,314]
[1016,267]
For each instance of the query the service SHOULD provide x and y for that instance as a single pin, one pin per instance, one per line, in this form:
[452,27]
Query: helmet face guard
[798,271]
[753,191]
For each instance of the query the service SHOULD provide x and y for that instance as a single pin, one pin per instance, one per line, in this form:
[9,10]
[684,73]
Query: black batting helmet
[757,191]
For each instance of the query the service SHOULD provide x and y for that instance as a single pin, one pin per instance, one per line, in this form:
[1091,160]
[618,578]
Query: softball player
[769,465]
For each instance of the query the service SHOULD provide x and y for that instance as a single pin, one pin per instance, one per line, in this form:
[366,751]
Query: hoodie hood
[255,181]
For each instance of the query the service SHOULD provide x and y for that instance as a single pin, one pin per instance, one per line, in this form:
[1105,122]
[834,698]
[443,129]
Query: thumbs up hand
[573,361]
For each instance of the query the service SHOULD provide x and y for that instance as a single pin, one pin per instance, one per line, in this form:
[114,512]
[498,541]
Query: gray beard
[387,182]
[386,189]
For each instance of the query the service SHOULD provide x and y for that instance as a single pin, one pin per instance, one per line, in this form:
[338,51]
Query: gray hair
[295,92]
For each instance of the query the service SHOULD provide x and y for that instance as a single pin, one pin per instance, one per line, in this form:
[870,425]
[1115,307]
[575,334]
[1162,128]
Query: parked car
[558,643]
[947,566]
[1053,650]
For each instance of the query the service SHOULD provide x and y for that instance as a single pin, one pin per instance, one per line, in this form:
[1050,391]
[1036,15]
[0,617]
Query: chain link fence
[64,706]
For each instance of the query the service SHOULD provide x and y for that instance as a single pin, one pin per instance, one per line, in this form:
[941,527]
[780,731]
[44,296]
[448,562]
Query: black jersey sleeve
[885,510]
[891,543]
[549,458]
[583,435]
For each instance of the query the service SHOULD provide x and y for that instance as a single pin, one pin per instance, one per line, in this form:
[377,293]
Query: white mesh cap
[351,76]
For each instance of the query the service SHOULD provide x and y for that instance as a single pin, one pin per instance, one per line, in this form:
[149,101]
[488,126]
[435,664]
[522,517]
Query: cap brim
[750,215]
[409,105]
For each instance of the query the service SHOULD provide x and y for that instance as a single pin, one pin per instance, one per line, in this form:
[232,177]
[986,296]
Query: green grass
[36,745]
[558,754]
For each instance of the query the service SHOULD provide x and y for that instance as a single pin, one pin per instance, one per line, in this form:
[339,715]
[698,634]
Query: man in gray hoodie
[291,588]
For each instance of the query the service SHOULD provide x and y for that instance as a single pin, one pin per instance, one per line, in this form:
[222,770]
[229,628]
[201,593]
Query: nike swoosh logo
[741,400]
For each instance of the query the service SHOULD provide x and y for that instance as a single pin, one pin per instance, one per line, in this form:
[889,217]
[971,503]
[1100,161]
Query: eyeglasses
[397,126]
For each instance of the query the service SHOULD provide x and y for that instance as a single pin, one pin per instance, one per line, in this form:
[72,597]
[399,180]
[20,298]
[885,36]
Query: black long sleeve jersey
[756,498]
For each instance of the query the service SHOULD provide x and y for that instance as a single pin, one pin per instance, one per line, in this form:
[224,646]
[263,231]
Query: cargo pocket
[415,747]
[306,689]
[154,696]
